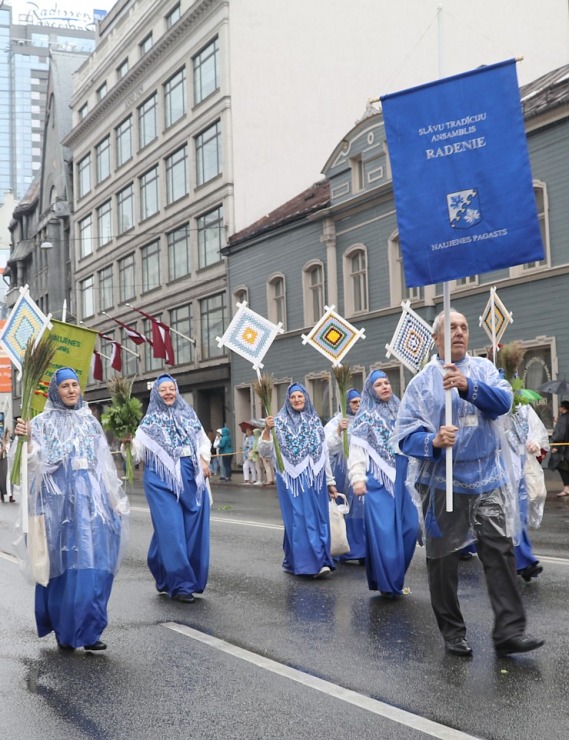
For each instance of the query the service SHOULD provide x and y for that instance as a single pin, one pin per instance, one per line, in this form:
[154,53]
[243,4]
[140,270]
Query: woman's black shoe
[184,598]
[61,646]
[99,645]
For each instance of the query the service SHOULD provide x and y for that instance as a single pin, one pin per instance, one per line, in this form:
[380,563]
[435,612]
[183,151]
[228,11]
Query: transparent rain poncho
[73,481]
[484,499]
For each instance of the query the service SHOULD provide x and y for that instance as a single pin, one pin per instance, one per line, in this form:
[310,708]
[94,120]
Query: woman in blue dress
[74,484]
[305,484]
[176,453]
[376,472]
[334,429]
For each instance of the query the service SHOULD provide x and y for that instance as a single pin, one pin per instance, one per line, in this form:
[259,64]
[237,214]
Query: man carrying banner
[483,503]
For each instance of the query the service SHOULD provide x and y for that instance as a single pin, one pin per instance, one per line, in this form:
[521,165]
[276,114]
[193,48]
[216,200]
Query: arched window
[313,292]
[276,299]
[238,296]
[355,280]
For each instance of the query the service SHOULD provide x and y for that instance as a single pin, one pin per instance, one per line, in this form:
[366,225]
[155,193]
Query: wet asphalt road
[266,655]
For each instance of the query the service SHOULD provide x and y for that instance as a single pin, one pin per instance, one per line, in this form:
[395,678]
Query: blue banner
[461,176]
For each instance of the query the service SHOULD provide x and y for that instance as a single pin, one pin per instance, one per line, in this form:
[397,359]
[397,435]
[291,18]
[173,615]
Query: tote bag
[37,549]
[339,544]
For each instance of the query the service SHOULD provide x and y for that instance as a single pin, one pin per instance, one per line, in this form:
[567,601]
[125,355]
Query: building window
[239,295]
[124,141]
[129,361]
[125,209]
[106,288]
[84,175]
[175,98]
[103,159]
[181,321]
[177,175]
[397,286]
[465,282]
[179,253]
[173,16]
[210,240]
[83,110]
[313,293]
[206,71]
[212,322]
[122,69]
[150,266]
[319,389]
[276,302]
[151,363]
[208,154]
[147,121]
[85,236]
[105,223]
[145,45]
[355,280]
[541,201]
[149,194]
[102,91]
[537,368]
[86,296]
[126,278]
[107,349]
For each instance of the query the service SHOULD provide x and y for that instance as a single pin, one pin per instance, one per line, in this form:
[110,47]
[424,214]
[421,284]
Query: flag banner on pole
[75,345]
[162,347]
[97,366]
[131,333]
[333,336]
[250,335]
[116,355]
[502,317]
[461,176]
[26,320]
[412,340]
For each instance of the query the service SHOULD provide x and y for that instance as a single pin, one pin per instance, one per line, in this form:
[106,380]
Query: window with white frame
[151,363]
[103,159]
[276,300]
[85,236]
[179,252]
[206,71]
[397,285]
[106,299]
[84,175]
[537,368]
[129,361]
[127,288]
[212,324]
[123,137]
[239,295]
[145,45]
[355,280]
[105,223]
[181,321]
[150,255]
[107,350]
[148,121]
[542,204]
[122,69]
[319,390]
[102,91]
[86,293]
[83,110]
[313,283]
[149,193]
[210,237]
[173,16]
[125,209]
[175,97]
[208,154]
[177,175]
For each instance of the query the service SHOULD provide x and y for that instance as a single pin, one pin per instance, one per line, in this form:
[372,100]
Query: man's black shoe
[99,645]
[184,598]
[521,644]
[458,646]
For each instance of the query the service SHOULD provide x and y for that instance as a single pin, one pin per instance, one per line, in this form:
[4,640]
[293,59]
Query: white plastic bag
[339,544]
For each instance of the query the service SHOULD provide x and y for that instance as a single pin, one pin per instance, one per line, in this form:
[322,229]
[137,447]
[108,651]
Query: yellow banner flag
[75,345]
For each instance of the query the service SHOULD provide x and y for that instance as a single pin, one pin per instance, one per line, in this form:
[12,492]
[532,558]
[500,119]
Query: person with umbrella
[560,456]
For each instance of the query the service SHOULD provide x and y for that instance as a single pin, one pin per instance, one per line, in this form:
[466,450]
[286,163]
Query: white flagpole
[446,299]
[64,310]
[493,321]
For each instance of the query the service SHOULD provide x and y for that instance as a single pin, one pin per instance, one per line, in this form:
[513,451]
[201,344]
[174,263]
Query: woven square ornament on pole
[333,336]
[412,339]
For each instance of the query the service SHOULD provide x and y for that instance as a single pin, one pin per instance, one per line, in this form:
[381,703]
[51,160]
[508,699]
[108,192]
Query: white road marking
[394,714]
[222,520]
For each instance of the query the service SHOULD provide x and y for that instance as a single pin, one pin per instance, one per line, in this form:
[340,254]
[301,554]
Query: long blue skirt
[392,525]
[306,518]
[74,606]
[355,526]
[178,556]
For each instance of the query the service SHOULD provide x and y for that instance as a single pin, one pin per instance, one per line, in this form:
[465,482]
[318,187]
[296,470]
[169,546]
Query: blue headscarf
[301,438]
[351,395]
[372,427]
[166,432]
[64,373]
